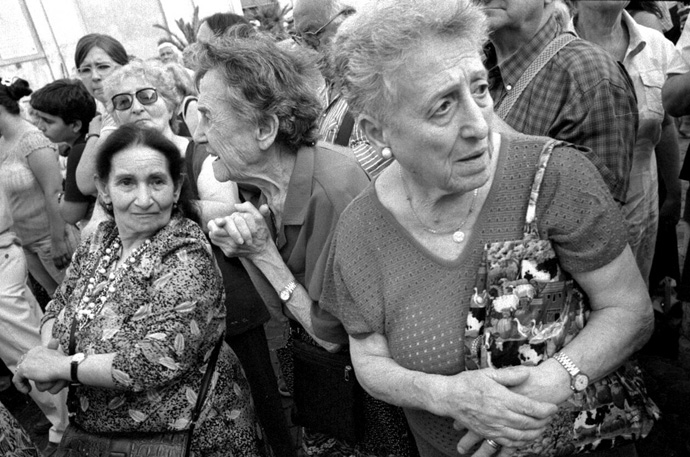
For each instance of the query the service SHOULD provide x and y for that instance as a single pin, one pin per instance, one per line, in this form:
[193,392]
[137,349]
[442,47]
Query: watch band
[578,380]
[74,365]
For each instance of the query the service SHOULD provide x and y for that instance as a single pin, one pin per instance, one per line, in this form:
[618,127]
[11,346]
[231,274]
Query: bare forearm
[668,158]
[57,223]
[279,275]
[213,209]
[86,170]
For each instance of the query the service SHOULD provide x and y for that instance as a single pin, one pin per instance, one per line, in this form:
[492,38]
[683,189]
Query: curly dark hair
[10,95]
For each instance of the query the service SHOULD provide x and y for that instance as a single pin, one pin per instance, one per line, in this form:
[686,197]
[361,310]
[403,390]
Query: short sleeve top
[23,189]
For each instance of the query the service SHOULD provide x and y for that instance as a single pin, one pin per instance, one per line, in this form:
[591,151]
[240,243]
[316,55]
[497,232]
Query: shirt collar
[637,42]
[515,65]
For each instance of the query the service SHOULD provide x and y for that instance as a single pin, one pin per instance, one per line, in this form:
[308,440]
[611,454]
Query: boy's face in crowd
[54,128]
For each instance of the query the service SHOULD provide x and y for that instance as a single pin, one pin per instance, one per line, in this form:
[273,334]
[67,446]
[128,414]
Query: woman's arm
[245,234]
[43,163]
[73,212]
[668,164]
[480,400]
[216,199]
[86,170]
[50,369]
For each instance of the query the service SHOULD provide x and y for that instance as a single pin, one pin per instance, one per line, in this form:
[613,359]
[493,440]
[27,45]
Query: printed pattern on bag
[524,309]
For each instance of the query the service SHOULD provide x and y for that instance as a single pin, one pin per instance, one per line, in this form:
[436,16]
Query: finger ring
[493,444]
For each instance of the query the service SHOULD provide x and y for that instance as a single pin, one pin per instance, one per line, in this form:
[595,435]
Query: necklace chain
[102,283]
[458,234]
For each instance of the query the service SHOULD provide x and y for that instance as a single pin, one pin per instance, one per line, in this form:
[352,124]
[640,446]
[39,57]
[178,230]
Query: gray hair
[370,47]
[154,75]
[264,80]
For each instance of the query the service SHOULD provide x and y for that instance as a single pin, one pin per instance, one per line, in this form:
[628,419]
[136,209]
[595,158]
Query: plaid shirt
[581,96]
[329,125]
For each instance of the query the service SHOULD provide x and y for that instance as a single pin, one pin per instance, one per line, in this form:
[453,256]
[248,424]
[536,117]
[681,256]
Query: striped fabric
[329,125]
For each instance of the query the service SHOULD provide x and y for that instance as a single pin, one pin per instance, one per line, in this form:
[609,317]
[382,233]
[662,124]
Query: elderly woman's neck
[273,179]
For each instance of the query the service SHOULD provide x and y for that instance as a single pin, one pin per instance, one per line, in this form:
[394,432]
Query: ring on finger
[493,444]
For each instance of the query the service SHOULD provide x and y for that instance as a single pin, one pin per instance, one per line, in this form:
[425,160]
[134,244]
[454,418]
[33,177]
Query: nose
[137,107]
[474,124]
[199,134]
[143,199]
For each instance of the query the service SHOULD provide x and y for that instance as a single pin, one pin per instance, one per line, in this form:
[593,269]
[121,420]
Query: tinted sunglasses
[122,102]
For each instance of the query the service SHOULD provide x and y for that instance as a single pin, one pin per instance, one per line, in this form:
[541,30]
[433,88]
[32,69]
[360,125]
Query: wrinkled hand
[61,253]
[510,419]
[244,233]
[41,365]
[52,386]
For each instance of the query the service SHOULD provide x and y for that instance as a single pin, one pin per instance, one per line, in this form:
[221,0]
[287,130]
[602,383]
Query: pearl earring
[386,153]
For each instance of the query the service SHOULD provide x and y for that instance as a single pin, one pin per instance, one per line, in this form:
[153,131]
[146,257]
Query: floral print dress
[160,313]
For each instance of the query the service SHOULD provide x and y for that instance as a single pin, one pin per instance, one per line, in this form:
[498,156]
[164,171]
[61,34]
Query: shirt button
[508,87]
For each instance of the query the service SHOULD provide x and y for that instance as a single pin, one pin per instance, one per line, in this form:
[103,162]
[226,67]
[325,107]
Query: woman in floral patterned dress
[146,304]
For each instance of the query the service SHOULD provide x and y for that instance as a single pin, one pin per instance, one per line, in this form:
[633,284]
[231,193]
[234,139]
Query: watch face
[285,295]
[78,358]
[580,382]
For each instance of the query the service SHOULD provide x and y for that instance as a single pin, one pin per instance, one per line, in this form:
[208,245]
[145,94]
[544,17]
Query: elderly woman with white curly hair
[474,226]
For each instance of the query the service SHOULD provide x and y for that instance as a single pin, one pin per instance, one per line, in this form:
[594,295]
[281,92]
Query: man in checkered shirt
[582,95]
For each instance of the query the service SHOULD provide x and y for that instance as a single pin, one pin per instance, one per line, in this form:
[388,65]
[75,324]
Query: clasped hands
[490,409]
[243,233]
[42,365]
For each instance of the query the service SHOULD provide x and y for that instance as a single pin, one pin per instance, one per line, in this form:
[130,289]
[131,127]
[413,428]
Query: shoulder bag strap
[534,68]
[203,390]
[345,129]
[531,215]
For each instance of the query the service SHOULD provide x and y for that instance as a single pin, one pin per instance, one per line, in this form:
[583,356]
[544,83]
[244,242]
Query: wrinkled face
[55,129]
[156,115]
[439,131]
[94,69]
[513,14]
[229,137]
[141,190]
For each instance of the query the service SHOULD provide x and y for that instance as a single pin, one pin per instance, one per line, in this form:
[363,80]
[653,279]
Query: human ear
[267,131]
[102,189]
[373,129]
[75,126]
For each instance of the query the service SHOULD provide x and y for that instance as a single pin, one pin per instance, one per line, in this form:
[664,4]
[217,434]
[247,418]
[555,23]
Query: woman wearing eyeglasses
[144,94]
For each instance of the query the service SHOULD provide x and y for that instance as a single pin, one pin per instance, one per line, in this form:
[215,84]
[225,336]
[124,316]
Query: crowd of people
[432,223]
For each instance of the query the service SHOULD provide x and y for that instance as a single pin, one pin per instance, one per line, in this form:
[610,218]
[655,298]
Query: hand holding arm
[480,400]
[245,234]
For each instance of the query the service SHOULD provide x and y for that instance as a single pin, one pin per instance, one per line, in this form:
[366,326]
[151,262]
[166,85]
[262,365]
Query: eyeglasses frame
[155,91]
[307,36]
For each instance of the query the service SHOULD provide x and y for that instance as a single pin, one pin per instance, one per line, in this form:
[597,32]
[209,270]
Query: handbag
[77,442]
[328,398]
[529,309]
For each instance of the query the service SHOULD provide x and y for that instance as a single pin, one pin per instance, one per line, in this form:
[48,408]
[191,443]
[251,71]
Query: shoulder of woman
[181,234]
[337,171]
[34,139]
